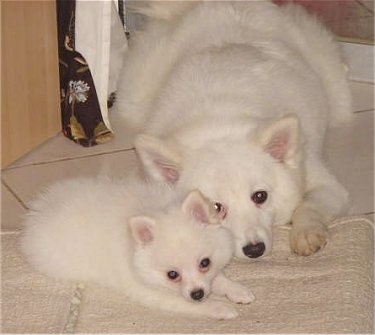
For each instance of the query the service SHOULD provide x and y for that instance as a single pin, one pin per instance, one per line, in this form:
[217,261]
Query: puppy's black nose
[254,250]
[197,295]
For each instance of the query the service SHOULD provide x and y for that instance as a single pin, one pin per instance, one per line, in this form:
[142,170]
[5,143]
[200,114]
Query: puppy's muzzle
[254,250]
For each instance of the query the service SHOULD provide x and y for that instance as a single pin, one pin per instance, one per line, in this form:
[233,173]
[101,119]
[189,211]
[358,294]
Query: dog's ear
[159,161]
[281,139]
[200,208]
[142,229]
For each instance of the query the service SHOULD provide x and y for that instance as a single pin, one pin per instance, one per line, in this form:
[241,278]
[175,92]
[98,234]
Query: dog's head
[254,180]
[183,247]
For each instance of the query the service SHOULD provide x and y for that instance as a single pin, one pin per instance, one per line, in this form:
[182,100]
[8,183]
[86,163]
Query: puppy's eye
[220,209]
[173,275]
[259,197]
[218,206]
[205,263]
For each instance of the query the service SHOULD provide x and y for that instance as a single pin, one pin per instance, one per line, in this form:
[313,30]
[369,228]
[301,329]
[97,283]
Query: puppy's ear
[142,229]
[282,139]
[159,161]
[200,208]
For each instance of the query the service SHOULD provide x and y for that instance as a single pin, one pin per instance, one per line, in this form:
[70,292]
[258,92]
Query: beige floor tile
[350,153]
[60,147]
[349,19]
[360,60]
[363,96]
[11,210]
[27,181]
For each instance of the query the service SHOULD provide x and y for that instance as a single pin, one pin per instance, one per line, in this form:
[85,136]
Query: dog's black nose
[197,295]
[254,250]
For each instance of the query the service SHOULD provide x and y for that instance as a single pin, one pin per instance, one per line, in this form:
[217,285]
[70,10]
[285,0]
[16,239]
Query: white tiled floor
[350,153]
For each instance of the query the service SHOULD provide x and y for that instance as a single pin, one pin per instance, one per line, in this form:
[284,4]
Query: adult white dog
[235,98]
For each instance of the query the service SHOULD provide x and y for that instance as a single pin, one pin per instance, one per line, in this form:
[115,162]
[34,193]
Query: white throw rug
[329,292]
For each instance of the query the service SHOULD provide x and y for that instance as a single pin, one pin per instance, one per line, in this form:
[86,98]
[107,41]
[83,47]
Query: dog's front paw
[220,310]
[306,239]
[240,294]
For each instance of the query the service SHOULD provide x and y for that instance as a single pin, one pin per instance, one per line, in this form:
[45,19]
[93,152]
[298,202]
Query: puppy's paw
[220,310]
[306,239]
[240,294]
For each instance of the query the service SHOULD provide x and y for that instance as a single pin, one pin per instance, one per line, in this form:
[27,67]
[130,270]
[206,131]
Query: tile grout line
[360,3]
[364,110]
[19,200]
[65,159]
[360,214]
[364,82]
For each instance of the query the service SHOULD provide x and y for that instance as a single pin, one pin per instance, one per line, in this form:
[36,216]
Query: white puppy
[159,251]
[234,98]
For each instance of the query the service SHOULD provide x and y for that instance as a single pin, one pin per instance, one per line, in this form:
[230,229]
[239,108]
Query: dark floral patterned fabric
[81,117]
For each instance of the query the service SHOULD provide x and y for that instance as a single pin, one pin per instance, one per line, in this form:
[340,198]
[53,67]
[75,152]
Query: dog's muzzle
[254,250]
[197,295]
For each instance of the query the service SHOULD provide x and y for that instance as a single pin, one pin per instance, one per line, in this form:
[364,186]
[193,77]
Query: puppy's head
[182,248]
[254,180]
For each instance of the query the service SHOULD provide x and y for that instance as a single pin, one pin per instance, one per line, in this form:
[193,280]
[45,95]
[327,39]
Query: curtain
[91,42]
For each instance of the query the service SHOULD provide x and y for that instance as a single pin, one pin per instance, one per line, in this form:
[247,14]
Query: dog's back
[163,10]
[187,29]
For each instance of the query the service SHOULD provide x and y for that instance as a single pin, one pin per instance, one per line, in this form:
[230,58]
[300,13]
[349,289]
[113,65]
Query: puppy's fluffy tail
[162,10]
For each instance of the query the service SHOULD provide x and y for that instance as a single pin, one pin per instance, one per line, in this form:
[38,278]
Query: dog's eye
[173,275]
[220,209]
[205,263]
[218,206]
[259,197]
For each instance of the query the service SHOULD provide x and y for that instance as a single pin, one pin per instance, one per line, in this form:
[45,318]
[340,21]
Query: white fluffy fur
[128,236]
[235,97]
